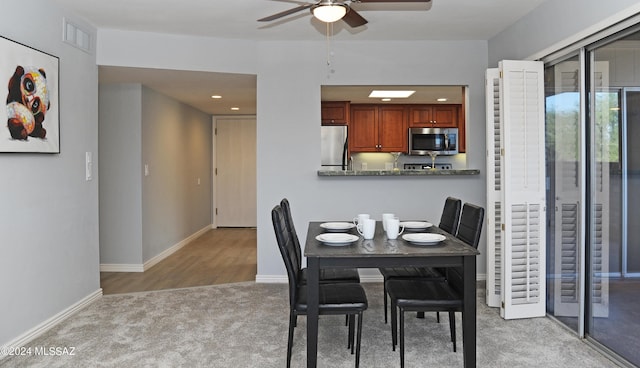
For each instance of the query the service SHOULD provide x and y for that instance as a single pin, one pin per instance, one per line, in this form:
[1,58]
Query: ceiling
[237,19]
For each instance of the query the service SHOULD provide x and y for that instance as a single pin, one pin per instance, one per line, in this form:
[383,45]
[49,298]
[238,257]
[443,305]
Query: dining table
[383,252]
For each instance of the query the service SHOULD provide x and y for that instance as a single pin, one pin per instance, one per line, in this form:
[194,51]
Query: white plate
[337,226]
[415,225]
[424,238]
[336,238]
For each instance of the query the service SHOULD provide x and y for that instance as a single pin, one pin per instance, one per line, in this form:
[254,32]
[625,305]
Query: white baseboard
[107,267]
[43,327]
[272,279]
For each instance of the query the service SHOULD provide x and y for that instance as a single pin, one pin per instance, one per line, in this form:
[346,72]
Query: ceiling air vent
[77,37]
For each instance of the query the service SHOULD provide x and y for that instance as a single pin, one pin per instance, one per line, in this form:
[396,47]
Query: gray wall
[120,137]
[48,212]
[142,216]
[176,144]
[289,76]
[555,24]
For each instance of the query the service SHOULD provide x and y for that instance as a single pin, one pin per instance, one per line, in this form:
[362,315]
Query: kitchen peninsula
[426,173]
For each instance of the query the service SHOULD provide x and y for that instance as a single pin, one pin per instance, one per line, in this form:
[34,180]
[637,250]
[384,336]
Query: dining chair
[450,215]
[422,295]
[335,299]
[449,223]
[329,275]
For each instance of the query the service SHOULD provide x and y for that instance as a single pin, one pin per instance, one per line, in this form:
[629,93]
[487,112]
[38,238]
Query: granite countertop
[436,172]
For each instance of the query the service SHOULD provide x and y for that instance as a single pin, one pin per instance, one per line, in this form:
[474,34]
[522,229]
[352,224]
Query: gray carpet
[245,325]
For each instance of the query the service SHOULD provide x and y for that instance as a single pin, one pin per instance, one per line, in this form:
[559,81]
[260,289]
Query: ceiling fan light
[329,12]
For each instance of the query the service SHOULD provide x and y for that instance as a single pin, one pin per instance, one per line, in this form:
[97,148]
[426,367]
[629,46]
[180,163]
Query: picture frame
[29,113]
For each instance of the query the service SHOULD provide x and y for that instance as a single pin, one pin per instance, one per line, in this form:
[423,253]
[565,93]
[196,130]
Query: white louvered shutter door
[494,185]
[523,180]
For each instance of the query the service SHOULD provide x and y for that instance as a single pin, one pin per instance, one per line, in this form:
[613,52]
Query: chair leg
[394,321]
[438,316]
[384,296]
[351,332]
[401,338]
[292,323]
[452,326]
[359,339]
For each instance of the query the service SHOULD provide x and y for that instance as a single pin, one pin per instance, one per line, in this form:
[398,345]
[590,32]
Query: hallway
[220,256]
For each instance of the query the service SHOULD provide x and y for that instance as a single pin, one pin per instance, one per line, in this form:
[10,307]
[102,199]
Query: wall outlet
[363,166]
[388,165]
[146,169]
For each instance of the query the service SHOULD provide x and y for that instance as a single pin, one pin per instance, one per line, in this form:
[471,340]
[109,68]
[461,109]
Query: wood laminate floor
[219,256]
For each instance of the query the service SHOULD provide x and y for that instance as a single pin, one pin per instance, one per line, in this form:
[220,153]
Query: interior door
[235,173]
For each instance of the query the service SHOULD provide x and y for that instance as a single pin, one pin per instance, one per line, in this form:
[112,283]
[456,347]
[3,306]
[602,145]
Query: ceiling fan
[330,11]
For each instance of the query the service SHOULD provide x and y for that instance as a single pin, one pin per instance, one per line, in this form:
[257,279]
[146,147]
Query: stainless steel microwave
[444,141]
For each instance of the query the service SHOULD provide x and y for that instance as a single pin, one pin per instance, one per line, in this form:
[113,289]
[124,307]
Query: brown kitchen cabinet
[335,112]
[433,116]
[375,128]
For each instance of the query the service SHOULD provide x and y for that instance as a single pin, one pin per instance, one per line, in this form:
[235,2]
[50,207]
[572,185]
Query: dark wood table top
[380,246]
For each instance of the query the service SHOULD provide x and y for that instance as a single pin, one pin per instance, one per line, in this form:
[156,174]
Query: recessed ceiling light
[441,100]
[235,108]
[386,99]
[390,94]
[216,96]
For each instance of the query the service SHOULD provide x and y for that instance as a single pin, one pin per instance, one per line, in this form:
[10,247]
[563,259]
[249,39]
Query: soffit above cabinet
[423,94]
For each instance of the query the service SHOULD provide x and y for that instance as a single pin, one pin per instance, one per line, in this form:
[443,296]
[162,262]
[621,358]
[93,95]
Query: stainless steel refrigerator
[334,147]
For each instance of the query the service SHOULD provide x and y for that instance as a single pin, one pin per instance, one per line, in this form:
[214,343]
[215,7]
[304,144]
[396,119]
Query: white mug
[385,217]
[360,218]
[367,228]
[393,228]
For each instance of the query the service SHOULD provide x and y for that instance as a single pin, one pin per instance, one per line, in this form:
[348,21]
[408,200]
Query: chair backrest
[450,215]
[286,246]
[288,219]
[470,226]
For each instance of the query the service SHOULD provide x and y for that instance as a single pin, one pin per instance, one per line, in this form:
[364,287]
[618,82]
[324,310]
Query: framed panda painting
[30,118]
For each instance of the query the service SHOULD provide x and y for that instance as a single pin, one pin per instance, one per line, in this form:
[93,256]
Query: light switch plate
[88,159]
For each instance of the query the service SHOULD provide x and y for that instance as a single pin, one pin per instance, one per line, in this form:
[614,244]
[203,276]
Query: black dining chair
[329,275]
[449,223]
[335,299]
[421,295]
[450,215]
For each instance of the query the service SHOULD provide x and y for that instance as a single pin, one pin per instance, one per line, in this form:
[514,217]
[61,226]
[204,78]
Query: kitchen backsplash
[384,161]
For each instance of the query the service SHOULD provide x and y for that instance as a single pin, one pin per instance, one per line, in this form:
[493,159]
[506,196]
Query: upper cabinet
[378,128]
[433,116]
[335,112]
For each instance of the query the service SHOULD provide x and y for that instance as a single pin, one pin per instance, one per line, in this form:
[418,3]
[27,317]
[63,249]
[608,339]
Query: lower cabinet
[375,128]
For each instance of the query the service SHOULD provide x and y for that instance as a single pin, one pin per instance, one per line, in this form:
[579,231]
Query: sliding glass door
[593,192]
[613,317]
[565,171]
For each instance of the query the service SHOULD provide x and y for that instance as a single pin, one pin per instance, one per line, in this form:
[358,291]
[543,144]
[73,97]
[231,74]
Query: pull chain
[329,32]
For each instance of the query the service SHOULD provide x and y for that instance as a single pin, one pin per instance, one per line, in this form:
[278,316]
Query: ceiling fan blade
[392,1]
[285,13]
[353,19]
